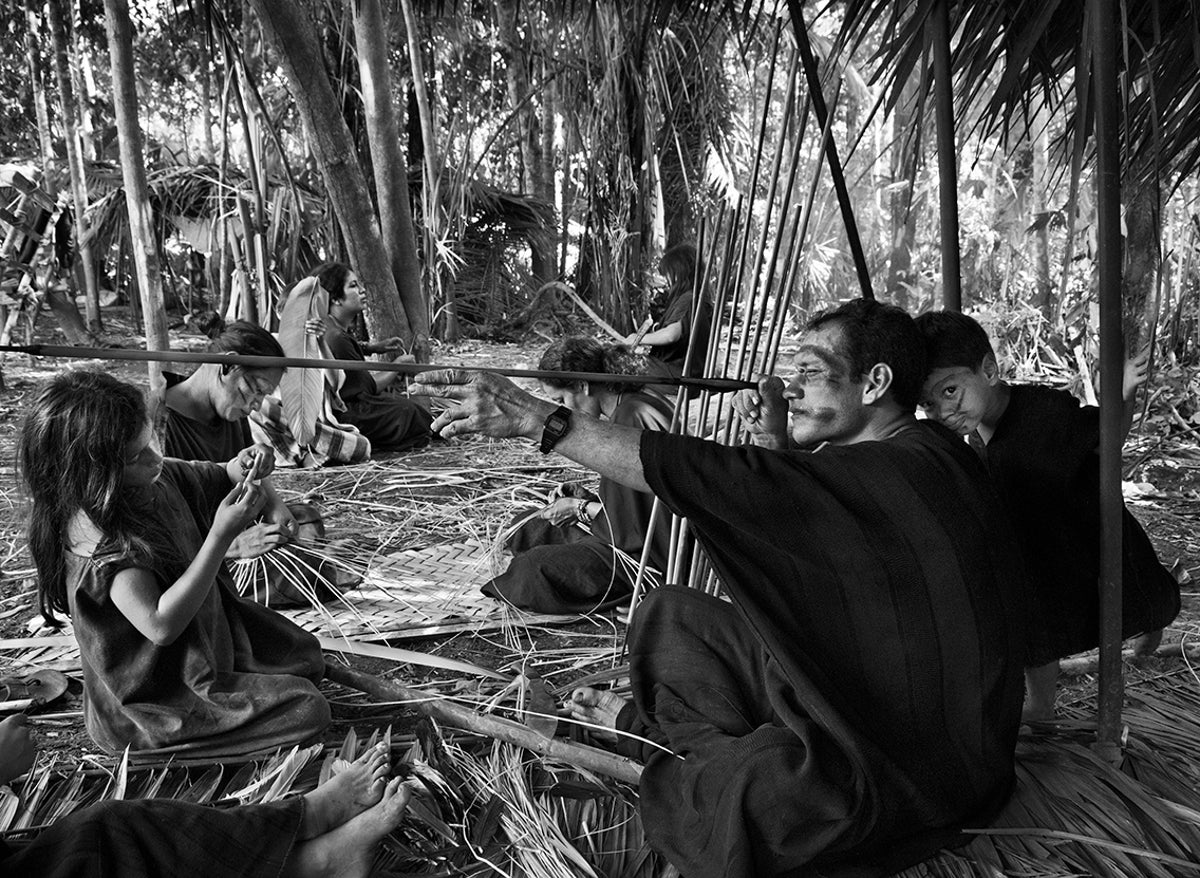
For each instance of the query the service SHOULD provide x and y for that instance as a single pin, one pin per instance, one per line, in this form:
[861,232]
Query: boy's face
[959,397]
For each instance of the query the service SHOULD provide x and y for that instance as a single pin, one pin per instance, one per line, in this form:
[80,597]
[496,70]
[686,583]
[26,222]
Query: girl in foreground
[130,545]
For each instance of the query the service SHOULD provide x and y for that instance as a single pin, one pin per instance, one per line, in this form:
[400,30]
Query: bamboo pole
[1108,183]
[590,758]
[70,119]
[255,361]
[812,75]
[943,82]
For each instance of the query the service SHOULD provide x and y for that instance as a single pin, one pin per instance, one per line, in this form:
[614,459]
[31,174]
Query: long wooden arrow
[256,361]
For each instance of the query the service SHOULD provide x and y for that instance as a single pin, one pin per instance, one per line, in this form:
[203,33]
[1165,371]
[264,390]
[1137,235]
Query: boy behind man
[1042,450]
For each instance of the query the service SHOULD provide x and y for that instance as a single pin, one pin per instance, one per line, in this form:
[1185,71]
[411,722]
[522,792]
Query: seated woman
[668,341]
[206,419]
[132,546]
[392,421]
[558,567]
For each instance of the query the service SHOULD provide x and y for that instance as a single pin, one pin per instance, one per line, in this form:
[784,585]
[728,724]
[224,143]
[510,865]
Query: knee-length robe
[563,569]
[1044,460]
[239,678]
[155,837]
[861,701]
[278,572]
[392,421]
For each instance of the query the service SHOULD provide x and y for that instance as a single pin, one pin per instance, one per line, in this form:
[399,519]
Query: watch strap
[557,425]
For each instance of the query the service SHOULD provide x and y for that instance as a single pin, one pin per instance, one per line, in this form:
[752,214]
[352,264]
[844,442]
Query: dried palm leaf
[302,391]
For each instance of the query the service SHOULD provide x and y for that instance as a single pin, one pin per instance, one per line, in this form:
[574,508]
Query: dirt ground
[1168,504]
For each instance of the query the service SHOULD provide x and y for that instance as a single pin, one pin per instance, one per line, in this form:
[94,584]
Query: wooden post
[1105,55]
[947,156]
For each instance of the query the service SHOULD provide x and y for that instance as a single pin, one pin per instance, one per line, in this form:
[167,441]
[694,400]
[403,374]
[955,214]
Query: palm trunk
[391,174]
[70,116]
[295,39]
[133,171]
[901,279]
[429,192]
[533,157]
[37,80]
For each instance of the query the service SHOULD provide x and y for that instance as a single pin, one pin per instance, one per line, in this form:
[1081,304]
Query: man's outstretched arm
[494,406]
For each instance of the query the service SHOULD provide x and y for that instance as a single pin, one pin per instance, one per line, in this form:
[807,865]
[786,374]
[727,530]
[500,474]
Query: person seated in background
[132,547]
[685,305]
[857,701]
[206,418]
[330,832]
[1042,450]
[375,404]
[558,567]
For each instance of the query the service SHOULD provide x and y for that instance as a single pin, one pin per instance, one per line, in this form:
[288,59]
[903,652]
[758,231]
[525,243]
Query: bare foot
[349,850]
[347,794]
[598,708]
[1147,642]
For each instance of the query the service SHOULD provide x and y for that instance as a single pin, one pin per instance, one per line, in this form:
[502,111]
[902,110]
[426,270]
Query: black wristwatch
[558,424]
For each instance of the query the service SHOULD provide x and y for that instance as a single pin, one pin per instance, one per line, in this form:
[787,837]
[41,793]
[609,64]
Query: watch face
[556,422]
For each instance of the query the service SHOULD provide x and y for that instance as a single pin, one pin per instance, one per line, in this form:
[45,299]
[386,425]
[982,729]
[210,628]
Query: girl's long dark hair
[577,353]
[71,452]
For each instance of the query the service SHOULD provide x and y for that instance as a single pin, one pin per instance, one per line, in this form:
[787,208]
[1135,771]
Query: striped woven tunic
[859,701]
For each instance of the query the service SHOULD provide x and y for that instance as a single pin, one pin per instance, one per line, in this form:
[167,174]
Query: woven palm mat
[420,593]
[410,594]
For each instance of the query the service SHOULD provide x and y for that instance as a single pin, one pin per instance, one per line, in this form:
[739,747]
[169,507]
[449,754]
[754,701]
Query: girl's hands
[258,539]
[239,507]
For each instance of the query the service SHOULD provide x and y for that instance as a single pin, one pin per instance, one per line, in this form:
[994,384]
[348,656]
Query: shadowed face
[143,459]
[824,398]
[241,391]
[576,398]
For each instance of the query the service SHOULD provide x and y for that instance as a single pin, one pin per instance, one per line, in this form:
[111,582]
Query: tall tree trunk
[533,177]
[291,30]
[133,171]
[901,279]
[70,116]
[85,87]
[1142,252]
[391,171]
[1037,201]
[208,149]
[429,192]
[37,81]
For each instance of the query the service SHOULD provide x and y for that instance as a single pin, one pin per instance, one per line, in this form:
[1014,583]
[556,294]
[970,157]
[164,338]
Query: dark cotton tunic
[681,311]
[389,419]
[875,656]
[1044,459]
[157,837]
[240,678]
[189,439]
[566,570]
